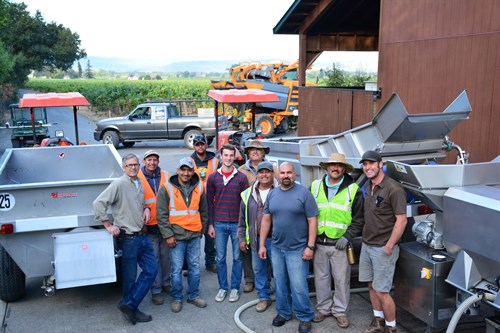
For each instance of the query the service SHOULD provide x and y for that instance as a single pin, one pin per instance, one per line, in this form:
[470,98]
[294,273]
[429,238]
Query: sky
[167,31]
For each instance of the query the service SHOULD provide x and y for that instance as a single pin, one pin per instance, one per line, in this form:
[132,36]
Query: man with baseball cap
[205,163]
[256,153]
[152,178]
[385,222]
[182,217]
[340,205]
[251,211]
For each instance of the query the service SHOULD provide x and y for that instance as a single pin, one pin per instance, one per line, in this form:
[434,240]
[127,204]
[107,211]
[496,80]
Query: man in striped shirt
[223,195]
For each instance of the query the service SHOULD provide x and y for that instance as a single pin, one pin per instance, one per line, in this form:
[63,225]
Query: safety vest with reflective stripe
[245,195]
[149,195]
[211,167]
[334,216]
[186,217]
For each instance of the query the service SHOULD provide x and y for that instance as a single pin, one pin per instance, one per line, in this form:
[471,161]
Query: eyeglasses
[131,165]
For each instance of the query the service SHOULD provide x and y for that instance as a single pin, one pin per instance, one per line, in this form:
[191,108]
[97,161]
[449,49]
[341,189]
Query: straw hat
[337,158]
[257,144]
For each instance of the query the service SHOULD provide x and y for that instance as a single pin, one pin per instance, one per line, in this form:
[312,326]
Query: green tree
[88,71]
[34,44]
[335,77]
[80,70]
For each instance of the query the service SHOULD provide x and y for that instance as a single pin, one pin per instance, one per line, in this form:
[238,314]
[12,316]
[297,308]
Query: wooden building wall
[431,50]
[332,110]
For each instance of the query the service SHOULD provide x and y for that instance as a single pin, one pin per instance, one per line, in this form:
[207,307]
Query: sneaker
[377,326]
[262,305]
[234,296]
[390,329]
[157,299]
[141,317]
[221,295]
[198,302]
[319,316]
[248,288]
[342,321]
[304,327]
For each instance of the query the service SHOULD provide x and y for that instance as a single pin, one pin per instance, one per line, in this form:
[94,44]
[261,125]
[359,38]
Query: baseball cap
[187,162]
[199,138]
[265,165]
[371,155]
[149,153]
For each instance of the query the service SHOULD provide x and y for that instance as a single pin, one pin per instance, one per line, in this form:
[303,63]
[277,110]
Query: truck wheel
[128,144]
[189,136]
[266,123]
[16,144]
[12,278]
[111,138]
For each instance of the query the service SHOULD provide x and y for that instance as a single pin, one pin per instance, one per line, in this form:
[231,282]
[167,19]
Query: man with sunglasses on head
[125,197]
[385,222]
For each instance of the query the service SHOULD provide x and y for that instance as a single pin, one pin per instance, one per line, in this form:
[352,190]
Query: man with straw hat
[340,205]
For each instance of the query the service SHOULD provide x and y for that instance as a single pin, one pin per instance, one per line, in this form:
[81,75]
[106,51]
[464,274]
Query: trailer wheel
[266,124]
[16,143]
[189,137]
[12,278]
[111,138]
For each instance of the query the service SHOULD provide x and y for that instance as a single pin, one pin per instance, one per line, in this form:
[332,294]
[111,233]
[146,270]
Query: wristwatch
[311,247]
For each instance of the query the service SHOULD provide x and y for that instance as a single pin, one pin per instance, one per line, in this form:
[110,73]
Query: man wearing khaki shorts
[385,222]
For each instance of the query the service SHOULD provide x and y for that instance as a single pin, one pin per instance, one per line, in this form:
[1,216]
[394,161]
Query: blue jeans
[224,231]
[137,250]
[209,250]
[261,271]
[160,250]
[189,250]
[290,284]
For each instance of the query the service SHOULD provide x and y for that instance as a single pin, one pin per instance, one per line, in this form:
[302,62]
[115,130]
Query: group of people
[276,226]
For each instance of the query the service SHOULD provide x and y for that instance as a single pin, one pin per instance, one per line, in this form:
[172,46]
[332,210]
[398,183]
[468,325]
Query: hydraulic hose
[245,306]
[461,309]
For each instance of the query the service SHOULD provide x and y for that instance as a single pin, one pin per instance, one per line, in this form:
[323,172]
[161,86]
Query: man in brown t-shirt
[385,222]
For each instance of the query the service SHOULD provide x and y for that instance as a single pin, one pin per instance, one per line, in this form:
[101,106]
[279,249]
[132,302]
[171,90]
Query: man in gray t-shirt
[291,210]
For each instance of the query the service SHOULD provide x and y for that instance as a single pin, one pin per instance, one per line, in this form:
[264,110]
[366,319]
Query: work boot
[342,321]
[248,288]
[304,326]
[198,302]
[166,289]
[128,313]
[212,268]
[176,306]
[319,316]
[141,317]
[157,299]
[262,305]
[377,326]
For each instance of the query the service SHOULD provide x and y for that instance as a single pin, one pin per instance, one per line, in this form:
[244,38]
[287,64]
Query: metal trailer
[47,227]
[455,251]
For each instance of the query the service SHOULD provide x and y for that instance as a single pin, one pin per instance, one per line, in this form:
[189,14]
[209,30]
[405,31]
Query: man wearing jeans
[292,211]
[223,195]
[251,211]
[182,217]
[125,197]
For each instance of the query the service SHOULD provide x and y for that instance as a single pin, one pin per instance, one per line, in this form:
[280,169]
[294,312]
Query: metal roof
[330,16]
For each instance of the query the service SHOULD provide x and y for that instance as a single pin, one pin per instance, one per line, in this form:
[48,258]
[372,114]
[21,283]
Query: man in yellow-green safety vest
[340,205]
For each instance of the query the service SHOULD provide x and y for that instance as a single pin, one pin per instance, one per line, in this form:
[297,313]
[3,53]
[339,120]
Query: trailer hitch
[49,286]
